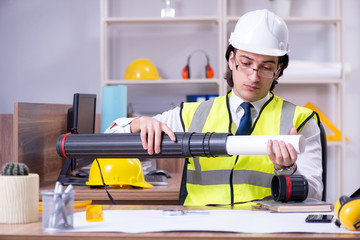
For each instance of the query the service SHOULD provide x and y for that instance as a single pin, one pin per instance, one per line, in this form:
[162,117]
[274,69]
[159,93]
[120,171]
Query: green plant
[14,169]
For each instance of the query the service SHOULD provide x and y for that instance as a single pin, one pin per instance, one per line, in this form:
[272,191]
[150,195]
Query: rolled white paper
[257,144]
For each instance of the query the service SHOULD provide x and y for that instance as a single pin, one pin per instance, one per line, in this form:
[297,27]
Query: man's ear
[278,73]
[231,60]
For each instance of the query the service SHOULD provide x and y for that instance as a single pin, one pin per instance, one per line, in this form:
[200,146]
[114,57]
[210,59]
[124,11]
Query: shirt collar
[235,102]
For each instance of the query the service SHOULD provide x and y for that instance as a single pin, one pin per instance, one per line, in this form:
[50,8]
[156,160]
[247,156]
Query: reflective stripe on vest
[287,115]
[216,177]
[200,116]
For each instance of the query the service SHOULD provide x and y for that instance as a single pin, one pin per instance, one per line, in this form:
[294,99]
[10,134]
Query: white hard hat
[261,32]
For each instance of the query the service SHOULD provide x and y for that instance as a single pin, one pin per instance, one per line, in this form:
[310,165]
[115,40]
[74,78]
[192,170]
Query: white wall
[352,100]
[50,49]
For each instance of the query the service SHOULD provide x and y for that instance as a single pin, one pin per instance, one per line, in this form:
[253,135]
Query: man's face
[252,85]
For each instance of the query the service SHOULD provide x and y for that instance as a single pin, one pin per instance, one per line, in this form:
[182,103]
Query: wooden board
[36,128]
[6,136]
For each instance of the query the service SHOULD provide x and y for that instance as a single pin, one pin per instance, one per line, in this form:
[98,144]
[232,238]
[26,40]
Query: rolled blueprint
[125,145]
[257,144]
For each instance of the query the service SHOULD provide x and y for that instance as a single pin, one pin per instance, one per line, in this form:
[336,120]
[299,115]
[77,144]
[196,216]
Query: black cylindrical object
[289,188]
[128,145]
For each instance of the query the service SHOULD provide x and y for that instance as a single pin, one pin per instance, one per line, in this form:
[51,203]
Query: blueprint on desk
[245,221]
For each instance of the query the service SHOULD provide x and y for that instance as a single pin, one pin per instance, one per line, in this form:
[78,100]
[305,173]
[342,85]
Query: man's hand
[150,132]
[282,155]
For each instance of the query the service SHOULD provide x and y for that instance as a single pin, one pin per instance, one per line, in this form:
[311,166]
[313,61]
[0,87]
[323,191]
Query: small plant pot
[19,198]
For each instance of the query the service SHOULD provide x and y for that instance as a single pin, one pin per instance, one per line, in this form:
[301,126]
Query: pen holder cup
[58,211]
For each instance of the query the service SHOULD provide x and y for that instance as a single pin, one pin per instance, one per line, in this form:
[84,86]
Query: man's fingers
[276,148]
[150,140]
[157,138]
[293,131]
[151,133]
[143,138]
[284,158]
[293,153]
[281,154]
[269,149]
[169,132]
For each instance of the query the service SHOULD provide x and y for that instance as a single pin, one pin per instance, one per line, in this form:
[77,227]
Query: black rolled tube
[289,188]
[128,145]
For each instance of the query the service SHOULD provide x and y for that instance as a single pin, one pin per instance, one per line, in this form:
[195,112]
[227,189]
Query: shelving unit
[215,84]
[224,15]
[337,81]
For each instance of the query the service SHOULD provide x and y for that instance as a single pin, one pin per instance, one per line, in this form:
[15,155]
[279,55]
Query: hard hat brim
[262,51]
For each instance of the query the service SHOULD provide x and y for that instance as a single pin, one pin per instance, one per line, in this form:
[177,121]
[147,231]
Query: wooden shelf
[285,80]
[311,20]
[151,20]
[163,81]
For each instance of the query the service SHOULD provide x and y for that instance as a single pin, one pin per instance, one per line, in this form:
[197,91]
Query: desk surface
[164,195]
[34,231]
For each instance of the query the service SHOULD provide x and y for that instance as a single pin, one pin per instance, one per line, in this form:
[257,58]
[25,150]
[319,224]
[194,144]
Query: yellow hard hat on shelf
[118,171]
[141,69]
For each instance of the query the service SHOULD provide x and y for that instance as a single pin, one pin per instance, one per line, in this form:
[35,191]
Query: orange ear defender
[209,72]
[347,211]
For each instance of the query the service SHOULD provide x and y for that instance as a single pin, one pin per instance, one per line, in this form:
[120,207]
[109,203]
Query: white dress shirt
[308,163]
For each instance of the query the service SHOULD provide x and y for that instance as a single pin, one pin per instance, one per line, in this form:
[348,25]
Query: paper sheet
[245,221]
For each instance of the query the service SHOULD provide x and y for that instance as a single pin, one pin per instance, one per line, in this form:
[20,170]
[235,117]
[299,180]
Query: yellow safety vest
[225,180]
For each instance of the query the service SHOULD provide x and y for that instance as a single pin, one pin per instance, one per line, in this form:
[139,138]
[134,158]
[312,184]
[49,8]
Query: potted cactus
[19,194]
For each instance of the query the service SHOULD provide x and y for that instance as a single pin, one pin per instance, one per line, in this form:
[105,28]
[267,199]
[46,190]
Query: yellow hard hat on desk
[141,69]
[118,171]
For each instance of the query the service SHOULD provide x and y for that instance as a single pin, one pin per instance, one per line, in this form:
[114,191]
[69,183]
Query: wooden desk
[34,231]
[159,195]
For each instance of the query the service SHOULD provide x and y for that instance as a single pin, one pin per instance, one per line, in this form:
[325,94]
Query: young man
[257,56]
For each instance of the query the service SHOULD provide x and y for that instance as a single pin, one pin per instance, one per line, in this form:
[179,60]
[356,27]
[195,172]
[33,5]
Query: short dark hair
[284,60]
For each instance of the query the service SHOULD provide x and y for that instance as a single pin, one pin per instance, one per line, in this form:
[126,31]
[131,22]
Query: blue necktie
[245,122]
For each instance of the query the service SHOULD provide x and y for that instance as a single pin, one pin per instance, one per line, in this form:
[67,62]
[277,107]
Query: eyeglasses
[247,69]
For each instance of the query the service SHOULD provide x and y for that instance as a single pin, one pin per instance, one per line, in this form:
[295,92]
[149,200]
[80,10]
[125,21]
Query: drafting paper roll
[114,104]
[256,145]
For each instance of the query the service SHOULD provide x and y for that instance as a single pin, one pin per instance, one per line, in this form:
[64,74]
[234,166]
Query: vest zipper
[232,183]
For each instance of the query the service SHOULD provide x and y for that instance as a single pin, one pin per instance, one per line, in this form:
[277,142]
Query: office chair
[324,158]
